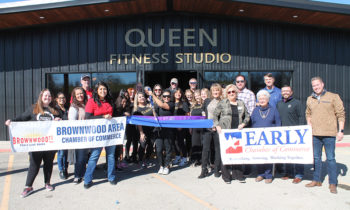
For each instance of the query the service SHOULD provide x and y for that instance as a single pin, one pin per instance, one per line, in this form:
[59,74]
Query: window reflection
[55,83]
[67,82]
[223,78]
[255,80]
[115,81]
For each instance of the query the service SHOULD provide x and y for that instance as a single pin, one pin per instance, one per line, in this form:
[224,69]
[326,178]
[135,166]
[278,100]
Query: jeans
[81,156]
[95,154]
[265,170]
[166,143]
[62,160]
[329,144]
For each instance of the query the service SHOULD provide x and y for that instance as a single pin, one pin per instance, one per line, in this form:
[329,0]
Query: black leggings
[131,137]
[35,159]
[208,137]
[196,144]
[180,148]
[145,147]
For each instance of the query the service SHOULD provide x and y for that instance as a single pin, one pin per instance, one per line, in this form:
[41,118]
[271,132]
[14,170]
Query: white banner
[66,134]
[267,145]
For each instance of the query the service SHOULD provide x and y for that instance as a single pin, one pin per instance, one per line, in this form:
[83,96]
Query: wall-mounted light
[295,16]
[42,17]
[241,10]
[106,10]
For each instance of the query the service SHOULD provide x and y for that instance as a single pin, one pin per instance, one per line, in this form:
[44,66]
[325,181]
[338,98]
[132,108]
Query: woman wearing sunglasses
[181,109]
[231,113]
[165,107]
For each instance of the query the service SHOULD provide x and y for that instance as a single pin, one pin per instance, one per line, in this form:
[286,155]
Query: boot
[62,175]
[203,174]
[333,188]
[65,174]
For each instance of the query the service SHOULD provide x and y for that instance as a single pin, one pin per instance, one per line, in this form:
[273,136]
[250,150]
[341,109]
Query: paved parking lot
[181,189]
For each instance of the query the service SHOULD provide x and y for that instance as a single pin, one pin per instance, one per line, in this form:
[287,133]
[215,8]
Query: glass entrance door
[66,82]
[163,78]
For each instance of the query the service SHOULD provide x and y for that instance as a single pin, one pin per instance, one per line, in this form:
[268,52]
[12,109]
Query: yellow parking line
[193,197]
[7,185]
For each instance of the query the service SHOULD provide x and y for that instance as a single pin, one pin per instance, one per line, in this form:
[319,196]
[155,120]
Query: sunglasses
[157,89]
[229,92]
[240,81]
[173,83]
[166,96]
[193,83]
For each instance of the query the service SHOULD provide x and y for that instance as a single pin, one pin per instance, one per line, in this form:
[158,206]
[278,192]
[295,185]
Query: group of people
[230,107]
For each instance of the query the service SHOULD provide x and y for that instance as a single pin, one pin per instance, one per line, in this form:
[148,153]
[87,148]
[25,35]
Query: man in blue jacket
[275,92]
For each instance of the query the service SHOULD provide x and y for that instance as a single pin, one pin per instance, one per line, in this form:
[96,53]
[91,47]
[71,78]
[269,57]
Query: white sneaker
[183,161]
[177,160]
[166,171]
[161,170]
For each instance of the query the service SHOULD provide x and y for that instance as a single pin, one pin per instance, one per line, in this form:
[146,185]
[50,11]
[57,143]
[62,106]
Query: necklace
[264,115]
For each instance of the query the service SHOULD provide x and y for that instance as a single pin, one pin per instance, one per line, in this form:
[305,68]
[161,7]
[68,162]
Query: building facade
[155,47]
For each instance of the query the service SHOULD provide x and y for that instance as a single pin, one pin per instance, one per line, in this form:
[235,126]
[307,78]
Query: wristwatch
[341,131]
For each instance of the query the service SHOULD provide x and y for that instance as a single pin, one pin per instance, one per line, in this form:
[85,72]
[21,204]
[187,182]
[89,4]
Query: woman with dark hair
[100,106]
[165,107]
[158,90]
[77,112]
[181,109]
[210,135]
[130,132]
[43,110]
[196,110]
[231,113]
[122,108]
[62,161]
[141,107]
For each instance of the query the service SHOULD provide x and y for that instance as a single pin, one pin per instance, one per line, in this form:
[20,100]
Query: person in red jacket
[100,106]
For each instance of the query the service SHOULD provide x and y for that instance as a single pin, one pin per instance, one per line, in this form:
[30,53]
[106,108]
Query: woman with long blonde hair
[210,134]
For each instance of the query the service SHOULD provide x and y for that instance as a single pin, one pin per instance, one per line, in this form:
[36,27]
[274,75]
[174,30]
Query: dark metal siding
[27,55]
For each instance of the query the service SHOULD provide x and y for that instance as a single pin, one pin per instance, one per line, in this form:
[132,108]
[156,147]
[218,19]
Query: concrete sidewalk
[145,189]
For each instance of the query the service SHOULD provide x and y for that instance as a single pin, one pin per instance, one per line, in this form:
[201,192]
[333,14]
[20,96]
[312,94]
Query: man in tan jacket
[325,114]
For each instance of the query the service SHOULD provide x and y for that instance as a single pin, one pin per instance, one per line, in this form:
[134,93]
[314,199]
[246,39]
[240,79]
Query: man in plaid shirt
[245,95]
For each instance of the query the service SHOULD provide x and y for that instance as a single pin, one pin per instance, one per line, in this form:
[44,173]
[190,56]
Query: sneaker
[49,187]
[183,161]
[27,191]
[177,160]
[166,171]
[77,180]
[161,169]
[143,165]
